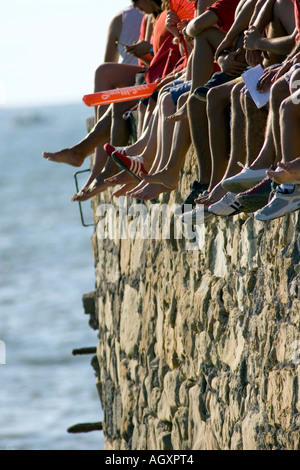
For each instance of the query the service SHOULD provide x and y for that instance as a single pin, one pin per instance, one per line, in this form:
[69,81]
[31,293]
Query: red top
[142,38]
[160,32]
[143,29]
[225,10]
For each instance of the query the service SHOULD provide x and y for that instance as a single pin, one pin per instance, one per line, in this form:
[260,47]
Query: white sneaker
[283,202]
[244,180]
[226,206]
[197,214]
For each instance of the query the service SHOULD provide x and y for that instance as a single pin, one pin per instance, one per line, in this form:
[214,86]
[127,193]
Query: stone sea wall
[199,348]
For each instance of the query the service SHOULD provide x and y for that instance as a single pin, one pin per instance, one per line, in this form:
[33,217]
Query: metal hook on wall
[80,207]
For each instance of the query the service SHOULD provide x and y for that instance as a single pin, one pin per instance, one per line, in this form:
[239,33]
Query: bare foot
[80,195]
[214,196]
[286,172]
[179,115]
[150,191]
[96,187]
[137,188]
[69,156]
[162,177]
[123,177]
[124,189]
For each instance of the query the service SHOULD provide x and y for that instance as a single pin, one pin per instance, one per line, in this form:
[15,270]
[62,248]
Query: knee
[98,71]
[194,104]
[287,108]
[240,102]
[278,92]
[236,97]
[181,100]
[166,102]
[214,100]
[161,96]
[101,72]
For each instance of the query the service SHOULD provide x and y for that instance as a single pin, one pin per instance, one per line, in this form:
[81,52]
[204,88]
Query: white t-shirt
[132,18]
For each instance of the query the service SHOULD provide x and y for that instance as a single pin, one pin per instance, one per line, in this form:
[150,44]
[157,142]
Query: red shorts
[225,10]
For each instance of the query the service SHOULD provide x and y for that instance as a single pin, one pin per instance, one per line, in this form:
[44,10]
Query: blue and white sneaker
[286,199]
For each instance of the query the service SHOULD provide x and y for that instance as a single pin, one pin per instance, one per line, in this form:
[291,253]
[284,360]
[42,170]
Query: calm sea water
[46,266]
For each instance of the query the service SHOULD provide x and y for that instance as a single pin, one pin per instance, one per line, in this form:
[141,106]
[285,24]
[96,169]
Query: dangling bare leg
[168,171]
[114,76]
[100,134]
[281,23]
[271,151]
[238,145]
[160,134]
[199,136]
[104,167]
[101,176]
[288,170]
[164,143]
[218,104]
[145,148]
[98,185]
[76,155]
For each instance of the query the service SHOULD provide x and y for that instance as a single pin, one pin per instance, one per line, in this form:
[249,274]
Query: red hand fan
[184,9]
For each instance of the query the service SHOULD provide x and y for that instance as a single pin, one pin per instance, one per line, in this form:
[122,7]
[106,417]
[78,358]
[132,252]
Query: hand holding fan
[184,9]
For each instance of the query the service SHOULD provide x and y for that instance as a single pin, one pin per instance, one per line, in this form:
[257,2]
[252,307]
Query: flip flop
[133,165]
[110,149]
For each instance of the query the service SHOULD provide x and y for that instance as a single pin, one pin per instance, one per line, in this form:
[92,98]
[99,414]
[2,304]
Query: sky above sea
[50,49]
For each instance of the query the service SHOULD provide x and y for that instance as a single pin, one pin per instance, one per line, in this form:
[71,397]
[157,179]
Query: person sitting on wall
[281,86]
[194,111]
[153,147]
[276,45]
[163,176]
[107,128]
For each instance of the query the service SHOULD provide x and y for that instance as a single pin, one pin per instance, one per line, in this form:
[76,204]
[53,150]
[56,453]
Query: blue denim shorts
[178,88]
[289,74]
